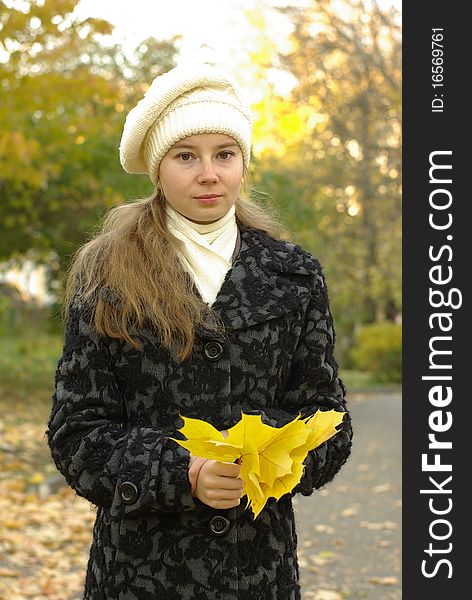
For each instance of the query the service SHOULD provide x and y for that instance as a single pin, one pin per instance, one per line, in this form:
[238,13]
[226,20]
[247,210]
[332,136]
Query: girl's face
[201,176]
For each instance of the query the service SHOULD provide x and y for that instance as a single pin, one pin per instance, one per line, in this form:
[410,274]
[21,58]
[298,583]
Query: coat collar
[268,278]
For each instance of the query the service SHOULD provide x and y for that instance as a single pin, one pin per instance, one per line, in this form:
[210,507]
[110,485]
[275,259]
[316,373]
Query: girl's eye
[186,156]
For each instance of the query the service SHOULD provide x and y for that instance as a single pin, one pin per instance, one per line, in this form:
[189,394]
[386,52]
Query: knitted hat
[183,102]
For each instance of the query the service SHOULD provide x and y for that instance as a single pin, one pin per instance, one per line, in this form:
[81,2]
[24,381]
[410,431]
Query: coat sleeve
[126,469]
[314,384]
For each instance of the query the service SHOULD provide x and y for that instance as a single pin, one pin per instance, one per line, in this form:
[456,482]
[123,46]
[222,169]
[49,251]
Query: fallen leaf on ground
[327,595]
[321,528]
[383,487]
[350,511]
[383,525]
[383,580]
[322,558]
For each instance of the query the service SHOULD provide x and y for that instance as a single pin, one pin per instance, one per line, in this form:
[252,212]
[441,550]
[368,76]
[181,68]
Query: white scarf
[208,250]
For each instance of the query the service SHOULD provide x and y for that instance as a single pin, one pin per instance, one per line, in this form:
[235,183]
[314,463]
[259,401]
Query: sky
[211,30]
[216,31]
[220,25]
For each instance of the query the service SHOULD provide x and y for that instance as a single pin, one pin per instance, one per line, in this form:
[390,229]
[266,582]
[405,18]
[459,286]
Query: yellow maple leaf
[271,458]
[205,440]
[198,429]
[211,449]
[323,425]
[276,460]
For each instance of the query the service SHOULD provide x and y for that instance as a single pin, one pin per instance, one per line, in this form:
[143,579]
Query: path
[349,533]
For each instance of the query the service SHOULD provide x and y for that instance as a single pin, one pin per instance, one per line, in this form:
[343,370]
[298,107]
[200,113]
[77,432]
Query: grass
[360,380]
[29,360]
[27,368]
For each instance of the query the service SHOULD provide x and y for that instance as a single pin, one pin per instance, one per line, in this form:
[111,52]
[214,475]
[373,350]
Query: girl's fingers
[220,491]
[225,469]
[225,502]
[221,494]
[223,483]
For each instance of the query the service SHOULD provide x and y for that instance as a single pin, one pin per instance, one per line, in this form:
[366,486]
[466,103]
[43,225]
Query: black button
[128,492]
[213,350]
[219,525]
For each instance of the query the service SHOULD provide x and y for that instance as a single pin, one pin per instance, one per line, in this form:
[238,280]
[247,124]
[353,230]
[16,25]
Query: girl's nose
[207,172]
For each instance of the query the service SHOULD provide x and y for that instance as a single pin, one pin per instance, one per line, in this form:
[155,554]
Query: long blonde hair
[134,258]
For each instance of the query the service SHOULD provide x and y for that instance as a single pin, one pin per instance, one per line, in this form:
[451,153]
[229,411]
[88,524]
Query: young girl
[189,303]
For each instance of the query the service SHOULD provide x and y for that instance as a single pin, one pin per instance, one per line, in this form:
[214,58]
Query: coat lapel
[267,279]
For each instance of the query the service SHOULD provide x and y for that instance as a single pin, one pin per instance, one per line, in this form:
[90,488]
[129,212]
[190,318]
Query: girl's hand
[218,485]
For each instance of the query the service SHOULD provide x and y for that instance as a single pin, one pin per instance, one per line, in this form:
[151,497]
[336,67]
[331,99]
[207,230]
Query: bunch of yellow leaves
[271,458]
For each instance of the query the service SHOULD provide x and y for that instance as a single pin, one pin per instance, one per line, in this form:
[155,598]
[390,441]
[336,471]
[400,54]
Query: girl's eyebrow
[185,145]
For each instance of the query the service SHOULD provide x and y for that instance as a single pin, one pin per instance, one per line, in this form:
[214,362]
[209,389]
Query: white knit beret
[182,102]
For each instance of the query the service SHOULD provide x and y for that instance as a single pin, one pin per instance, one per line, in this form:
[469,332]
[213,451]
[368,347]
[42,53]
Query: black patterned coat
[114,405]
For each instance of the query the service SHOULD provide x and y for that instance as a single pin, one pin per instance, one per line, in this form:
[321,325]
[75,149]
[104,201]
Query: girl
[189,303]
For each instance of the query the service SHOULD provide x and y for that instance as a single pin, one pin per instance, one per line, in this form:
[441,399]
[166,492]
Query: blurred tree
[328,153]
[346,57]
[281,167]
[65,88]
